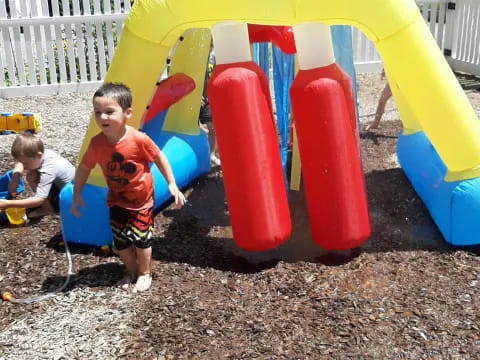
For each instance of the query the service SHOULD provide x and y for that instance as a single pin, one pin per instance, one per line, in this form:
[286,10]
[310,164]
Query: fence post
[452,25]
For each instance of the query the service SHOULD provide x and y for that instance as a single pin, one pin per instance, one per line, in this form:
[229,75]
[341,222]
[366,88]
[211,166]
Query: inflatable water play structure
[438,149]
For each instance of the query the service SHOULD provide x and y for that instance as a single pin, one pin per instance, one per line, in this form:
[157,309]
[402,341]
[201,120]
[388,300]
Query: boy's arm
[31,202]
[16,175]
[81,177]
[164,166]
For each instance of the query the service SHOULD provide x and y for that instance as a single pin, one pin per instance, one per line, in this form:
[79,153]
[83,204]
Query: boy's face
[31,163]
[110,117]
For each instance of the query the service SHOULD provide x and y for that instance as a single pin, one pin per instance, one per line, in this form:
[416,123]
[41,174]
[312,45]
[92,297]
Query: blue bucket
[4,194]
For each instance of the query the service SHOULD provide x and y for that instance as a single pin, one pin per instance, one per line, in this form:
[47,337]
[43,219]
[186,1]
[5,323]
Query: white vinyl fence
[463,43]
[455,25]
[52,46]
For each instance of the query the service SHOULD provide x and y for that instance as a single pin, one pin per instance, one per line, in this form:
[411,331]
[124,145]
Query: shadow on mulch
[199,234]
[186,239]
[56,243]
[105,274]
[101,275]
[375,137]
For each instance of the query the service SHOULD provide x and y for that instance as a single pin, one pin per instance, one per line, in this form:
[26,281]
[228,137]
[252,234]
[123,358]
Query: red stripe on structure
[169,91]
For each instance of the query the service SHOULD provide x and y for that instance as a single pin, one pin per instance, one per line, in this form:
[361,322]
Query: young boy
[46,174]
[124,154]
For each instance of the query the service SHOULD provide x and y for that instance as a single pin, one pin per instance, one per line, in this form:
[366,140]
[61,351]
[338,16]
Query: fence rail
[52,46]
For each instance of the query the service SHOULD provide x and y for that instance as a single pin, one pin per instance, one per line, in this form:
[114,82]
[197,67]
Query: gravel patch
[65,118]
[68,331]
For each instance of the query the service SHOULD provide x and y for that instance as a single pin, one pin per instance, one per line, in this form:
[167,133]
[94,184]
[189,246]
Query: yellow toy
[20,122]
[16,216]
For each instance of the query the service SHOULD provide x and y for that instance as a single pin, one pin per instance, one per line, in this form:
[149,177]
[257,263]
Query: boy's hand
[12,188]
[177,194]
[13,184]
[77,201]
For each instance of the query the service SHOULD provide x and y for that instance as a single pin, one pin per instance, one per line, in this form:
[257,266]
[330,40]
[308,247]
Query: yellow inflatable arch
[426,91]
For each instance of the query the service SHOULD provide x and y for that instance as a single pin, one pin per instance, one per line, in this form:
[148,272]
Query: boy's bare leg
[45,209]
[204,128]
[382,102]
[212,140]
[144,258]
[129,258]
[32,178]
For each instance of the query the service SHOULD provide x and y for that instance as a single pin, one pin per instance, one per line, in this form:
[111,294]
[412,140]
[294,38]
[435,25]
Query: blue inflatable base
[189,158]
[454,206]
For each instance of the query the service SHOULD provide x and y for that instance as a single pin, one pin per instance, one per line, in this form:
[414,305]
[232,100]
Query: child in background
[382,102]
[124,155]
[46,173]
[205,117]
[205,120]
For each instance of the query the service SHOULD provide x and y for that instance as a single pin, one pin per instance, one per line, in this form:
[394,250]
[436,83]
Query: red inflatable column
[248,146]
[333,175]
[324,112]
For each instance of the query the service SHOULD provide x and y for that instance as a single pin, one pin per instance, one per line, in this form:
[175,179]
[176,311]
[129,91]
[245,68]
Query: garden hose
[7,296]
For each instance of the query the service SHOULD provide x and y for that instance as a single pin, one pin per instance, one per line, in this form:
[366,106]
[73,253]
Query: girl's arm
[31,202]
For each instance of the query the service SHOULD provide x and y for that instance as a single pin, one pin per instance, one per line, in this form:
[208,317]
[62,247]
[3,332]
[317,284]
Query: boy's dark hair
[27,145]
[118,91]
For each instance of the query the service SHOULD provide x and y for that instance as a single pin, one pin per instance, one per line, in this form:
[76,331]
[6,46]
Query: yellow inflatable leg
[190,58]
[409,120]
[434,95]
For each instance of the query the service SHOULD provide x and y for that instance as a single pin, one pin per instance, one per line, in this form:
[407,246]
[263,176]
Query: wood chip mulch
[405,294]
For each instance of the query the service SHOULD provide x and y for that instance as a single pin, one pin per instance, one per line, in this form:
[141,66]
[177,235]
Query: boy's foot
[204,127]
[125,282]
[215,160]
[144,282]
[371,126]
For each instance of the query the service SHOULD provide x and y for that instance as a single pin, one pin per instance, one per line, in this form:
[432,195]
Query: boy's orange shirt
[126,167]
